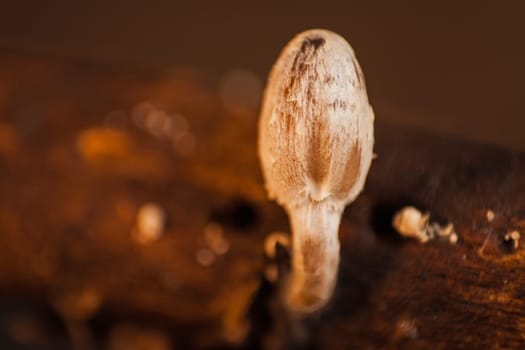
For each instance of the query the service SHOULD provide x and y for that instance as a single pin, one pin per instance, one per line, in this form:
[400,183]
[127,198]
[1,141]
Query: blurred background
[451,66]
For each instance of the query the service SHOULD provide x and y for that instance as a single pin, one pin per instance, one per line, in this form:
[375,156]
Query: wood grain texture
[66,217]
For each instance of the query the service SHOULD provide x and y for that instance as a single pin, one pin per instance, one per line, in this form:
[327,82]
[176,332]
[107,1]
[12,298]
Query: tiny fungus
[271,270]
[271,241]
[513,237]
[316,136]
[410,222]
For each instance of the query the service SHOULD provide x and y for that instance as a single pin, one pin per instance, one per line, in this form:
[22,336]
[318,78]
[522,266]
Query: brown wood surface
[67,214]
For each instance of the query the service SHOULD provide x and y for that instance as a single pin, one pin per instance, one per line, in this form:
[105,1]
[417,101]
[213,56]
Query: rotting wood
[67,213]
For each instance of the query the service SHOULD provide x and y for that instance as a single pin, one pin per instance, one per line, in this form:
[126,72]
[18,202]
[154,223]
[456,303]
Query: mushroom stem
[315,255]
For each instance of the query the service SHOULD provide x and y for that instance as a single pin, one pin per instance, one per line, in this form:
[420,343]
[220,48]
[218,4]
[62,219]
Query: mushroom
[315,147]
[410,222]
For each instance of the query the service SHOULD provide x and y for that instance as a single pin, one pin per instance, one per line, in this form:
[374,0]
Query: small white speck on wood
[410,222]
[490,215]
[514,238]
[271,241]
[315,146]
[150,223]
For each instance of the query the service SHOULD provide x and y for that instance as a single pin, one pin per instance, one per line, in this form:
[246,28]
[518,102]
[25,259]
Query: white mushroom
[315,146]
[410,222]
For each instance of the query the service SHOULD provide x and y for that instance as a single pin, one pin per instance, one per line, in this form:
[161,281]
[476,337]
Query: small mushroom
[271,241]
[513,237]
[316,146]
[410,222]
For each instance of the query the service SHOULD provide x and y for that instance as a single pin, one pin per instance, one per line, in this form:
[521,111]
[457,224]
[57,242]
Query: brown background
[452,66]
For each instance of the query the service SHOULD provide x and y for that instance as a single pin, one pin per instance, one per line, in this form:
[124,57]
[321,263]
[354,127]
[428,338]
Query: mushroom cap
[316,124]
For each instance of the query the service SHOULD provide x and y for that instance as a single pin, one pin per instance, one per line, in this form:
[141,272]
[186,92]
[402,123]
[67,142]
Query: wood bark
[75,168]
